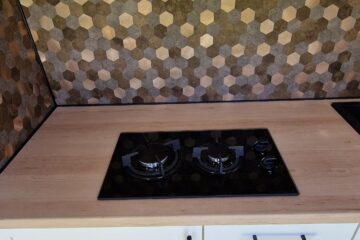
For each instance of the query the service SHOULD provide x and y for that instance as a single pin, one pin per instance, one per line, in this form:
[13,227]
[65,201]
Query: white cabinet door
[357,236]
[121,233]
[281,232]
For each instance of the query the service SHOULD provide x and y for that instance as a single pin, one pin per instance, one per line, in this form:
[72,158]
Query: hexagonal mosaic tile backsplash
[24,95]
[128,51]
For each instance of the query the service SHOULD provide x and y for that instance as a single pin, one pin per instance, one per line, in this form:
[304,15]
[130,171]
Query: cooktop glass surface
[350,111]
[196,164]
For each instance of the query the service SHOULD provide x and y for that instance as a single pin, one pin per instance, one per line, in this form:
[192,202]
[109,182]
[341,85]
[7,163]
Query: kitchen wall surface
[24,94]
[128,51]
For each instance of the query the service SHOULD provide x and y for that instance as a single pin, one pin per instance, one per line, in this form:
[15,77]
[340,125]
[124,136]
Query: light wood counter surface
[55,179]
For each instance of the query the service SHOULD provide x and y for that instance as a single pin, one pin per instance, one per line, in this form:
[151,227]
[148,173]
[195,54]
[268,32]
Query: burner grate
[228,159]
[156,161]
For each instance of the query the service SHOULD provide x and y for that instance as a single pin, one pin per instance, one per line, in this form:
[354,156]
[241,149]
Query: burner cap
[153,156]
[218,153]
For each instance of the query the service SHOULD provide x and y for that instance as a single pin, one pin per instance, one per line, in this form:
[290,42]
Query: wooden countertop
[55,179]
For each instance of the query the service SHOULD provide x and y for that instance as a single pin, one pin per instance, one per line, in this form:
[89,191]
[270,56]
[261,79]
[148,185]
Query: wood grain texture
[54,181]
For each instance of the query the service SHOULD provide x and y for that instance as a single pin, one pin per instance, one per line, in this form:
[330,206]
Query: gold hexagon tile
[247,16]
[26,3]
[18,123]
[238,50]
[162,53]
[187,52]
[341,46]
[144,64]
[348,23]
[66,85]
[314,47]
[93,100]
[46,23]
[81,2]
[85,21]
[112,54]
[135,83]
[331,12]
[205,81]
[297,94]
[89,84]
[267,26]
[144,7]
[53,45]
[227,5]
[88,55]
[187,29]
[248,70]
[329,86]
[188,91]
[293,59]
[284,37]
[129,43]
[263,49]
[218,61]
[312,3]
[108,32]
[166,18]
[119,93]
[207,17]
[228,97]
[301,78]
[289,14]
[322,67]
[158,83]
[206,40]
[104,75]
[62,10]
[229,80]
[126,20]
[109,1]
[277,79]
[175,73]
[258,88]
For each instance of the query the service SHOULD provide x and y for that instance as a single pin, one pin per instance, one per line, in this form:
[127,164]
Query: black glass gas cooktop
[196,164]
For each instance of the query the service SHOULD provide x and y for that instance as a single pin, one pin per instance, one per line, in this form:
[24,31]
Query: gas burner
[155,161]
[154,155]
[218,159]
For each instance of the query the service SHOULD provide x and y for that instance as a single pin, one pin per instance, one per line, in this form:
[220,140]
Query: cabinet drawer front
[281,232]
[122,233]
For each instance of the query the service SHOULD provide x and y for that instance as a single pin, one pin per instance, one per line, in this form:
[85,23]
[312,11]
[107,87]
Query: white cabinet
[121,233]
[281,232]
[357,236]
[228,232]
